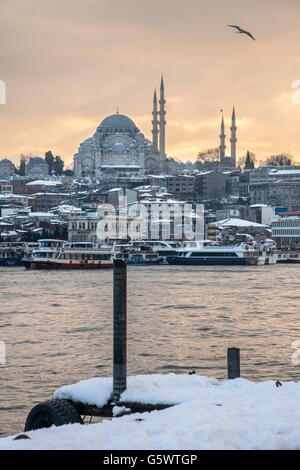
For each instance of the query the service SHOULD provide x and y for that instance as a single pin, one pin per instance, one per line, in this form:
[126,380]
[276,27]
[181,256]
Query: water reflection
[58,326]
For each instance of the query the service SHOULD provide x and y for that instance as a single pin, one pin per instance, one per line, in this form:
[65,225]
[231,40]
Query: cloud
[68,64]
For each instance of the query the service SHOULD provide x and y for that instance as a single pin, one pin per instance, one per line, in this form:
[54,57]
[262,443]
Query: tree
[58,166]
[283,159]
[209,155]
[23,166]
[249,161]
[50,160]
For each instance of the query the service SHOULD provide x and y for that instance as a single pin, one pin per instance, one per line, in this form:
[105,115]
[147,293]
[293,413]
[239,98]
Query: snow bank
[210,414]
[166,389]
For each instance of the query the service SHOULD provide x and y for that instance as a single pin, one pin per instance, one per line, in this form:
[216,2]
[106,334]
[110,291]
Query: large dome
[118,123]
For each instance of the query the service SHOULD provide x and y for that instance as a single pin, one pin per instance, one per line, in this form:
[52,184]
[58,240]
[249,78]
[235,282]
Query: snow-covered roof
[235,222]
[275,172]
[43,183]
[41,214]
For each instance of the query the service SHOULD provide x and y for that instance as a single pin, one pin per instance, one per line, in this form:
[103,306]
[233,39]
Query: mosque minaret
[155,122]
[230,161]
[162,121]
[233,138]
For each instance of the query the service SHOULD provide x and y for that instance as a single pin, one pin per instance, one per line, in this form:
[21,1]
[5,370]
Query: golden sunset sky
[68,64]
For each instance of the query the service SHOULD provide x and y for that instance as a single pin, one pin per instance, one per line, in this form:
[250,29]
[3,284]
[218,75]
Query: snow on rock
[210,414]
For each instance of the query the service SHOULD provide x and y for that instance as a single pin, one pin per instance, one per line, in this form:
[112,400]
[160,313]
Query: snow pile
[210,414]
[96,391]
[156,388]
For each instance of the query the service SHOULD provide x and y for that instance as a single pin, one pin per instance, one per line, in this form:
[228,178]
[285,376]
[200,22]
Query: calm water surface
[57,326]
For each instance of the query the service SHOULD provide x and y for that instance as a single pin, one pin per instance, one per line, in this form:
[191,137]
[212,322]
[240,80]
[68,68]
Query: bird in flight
[242,31]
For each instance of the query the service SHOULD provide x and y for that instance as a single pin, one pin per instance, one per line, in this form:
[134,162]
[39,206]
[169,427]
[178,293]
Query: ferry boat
[138,254]
[60,254]
[29,248]
[164,248]
[11,253]
[208,253]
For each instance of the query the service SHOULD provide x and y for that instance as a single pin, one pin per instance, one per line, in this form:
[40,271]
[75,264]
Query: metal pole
[120,320]
[233,363]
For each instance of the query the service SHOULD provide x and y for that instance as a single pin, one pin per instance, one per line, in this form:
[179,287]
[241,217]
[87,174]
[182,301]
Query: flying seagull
[241,31]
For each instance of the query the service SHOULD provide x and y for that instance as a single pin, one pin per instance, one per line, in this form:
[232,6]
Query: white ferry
[207,253]
[164,248]
[138,253]
[60,254]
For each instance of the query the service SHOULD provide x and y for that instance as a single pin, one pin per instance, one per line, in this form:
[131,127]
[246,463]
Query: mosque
[118,148]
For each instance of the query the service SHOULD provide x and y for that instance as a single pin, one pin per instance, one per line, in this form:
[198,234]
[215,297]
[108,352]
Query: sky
[68,64]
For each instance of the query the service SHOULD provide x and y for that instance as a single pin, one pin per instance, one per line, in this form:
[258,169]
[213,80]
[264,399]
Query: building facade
[118,148]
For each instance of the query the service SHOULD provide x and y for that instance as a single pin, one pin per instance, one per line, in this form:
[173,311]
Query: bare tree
[209,155]
[283,159]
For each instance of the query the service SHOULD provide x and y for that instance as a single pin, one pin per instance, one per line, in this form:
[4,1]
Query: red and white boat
[61,254]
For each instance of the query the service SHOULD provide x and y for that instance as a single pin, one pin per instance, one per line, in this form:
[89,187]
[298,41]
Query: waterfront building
[261,213]
[286,230]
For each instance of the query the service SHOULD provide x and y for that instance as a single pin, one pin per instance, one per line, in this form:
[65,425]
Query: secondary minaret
[233,137]
[162,122]
[222,139]
[155,122]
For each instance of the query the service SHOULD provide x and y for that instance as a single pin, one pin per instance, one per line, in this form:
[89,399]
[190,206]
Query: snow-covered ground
[209,414]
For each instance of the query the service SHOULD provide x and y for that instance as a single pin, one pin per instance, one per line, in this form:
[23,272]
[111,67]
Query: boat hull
[143,263]
[293,260]
[11,262]
[210,261]
[56,265]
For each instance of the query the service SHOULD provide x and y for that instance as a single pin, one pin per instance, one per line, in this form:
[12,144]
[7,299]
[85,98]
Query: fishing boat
[208,253]
[60,254]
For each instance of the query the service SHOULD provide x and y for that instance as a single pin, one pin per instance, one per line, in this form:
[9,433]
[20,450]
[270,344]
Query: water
[57,326]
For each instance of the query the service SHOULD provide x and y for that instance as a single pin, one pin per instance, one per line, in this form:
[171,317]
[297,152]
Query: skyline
[68,66]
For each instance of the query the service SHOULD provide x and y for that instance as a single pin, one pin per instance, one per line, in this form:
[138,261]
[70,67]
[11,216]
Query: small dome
[35,171]
[36,160]
[119,146]
[5,161]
